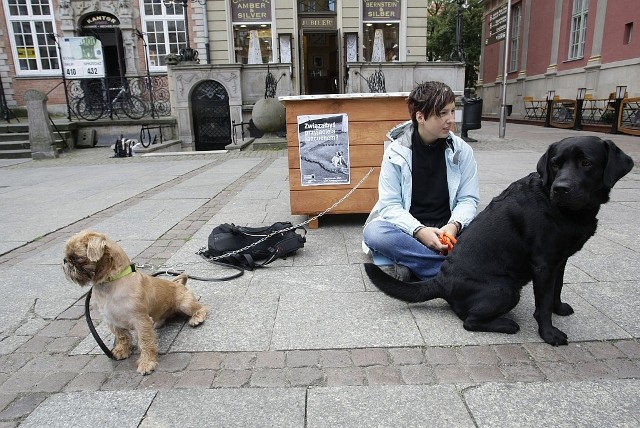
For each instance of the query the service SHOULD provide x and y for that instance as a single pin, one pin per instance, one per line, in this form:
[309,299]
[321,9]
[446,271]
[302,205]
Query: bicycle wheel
[89,110]
[134,107]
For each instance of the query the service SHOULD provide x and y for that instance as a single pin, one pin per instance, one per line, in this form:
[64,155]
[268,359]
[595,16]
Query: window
[252,43]
[165,31]
[31,28]
[628,31]
[316,6]
[381,42]
[578,29]
[515,38]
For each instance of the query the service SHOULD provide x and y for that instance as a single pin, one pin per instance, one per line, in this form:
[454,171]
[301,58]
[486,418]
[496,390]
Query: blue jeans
[389,245]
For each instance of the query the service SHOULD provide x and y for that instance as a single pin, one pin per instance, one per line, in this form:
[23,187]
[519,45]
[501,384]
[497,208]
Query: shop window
[165,30]
[381,42]
[253,44]
[31,29]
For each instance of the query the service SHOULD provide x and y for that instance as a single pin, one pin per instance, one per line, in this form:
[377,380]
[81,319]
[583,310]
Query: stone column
[40,130]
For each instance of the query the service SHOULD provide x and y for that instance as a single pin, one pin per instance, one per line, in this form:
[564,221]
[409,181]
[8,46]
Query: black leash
[92,328]
[87,302]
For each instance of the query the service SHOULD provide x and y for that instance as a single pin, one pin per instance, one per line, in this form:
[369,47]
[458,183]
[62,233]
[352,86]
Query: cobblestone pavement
[43,363]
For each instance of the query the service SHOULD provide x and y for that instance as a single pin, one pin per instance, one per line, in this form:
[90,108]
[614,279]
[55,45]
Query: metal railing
[116,97]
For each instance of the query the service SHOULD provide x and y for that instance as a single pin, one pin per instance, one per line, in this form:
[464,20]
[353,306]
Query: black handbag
[243,246]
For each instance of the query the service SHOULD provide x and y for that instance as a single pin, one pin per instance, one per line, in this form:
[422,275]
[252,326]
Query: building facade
[320,39]
[174,46]
[559,45]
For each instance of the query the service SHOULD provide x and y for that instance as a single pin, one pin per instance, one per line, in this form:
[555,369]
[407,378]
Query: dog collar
[126,271]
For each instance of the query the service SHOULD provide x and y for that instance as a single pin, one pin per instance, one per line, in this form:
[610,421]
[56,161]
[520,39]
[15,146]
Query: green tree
[441,30]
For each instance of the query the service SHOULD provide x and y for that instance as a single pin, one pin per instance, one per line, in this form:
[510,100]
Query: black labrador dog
[526,233]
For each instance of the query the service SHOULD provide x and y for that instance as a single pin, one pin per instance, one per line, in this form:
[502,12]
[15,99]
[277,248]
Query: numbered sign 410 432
[82,57]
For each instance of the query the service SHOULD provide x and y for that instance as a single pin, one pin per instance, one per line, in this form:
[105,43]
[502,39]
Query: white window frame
[515,38]
[578,29]
[170,15]
[45,42]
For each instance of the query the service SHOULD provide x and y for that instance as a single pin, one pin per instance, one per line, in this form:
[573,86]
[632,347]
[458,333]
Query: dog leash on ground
[214,260]
[172,270]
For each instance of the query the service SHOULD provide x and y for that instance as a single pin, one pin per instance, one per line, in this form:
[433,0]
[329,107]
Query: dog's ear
[543,168]
[95,248]
[618,164]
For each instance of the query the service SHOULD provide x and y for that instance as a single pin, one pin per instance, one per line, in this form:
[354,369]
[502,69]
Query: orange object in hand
[448,240]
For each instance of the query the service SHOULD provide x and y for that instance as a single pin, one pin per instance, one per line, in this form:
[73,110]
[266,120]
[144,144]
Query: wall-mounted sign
[381,10]
[251,10]
[318,23]
[99,20]
[82,57]
[497,25]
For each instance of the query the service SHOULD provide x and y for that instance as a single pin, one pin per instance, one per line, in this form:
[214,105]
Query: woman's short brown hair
[429,98]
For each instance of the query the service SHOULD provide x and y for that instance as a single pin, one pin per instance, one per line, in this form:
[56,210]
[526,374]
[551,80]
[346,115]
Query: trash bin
[471,115]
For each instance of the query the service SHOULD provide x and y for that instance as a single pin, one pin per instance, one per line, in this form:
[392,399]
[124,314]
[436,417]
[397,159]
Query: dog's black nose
[64,260]
[561,189]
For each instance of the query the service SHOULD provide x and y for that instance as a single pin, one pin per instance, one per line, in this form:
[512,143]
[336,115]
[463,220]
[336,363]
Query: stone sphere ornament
[268,115]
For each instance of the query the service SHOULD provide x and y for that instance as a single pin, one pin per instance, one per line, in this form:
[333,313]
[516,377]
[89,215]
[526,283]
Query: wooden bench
[370,117]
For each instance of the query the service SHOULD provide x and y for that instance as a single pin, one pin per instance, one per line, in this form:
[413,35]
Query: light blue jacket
[395,184]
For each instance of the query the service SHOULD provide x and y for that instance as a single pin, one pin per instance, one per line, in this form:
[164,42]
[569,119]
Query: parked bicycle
[94,106]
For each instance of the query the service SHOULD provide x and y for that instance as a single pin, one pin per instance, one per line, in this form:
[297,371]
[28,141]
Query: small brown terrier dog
[128,300]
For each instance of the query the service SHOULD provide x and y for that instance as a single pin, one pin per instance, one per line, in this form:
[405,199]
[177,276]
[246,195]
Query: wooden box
[370,117]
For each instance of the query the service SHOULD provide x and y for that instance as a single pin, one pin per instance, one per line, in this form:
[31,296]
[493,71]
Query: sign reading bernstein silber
[250,10]
[381,10]
[497,25]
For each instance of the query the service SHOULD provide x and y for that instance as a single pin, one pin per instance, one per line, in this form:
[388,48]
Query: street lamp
[550,95]
[186,54]
[458,53]
[577,124]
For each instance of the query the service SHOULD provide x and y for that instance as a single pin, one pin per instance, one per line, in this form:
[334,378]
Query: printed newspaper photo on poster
[324,149]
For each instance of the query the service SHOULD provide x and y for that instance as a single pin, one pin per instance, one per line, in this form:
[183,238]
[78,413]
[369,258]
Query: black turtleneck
[430,192]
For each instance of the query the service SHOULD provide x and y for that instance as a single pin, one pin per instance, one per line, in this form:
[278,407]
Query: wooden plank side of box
[295,183]
[359,110]
[359,132]
[359,156]
[316,200]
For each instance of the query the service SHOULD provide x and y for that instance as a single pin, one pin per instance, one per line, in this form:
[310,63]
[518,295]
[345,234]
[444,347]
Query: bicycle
[90,108]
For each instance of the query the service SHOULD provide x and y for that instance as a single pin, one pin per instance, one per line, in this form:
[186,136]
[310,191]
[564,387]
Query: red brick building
[560,45]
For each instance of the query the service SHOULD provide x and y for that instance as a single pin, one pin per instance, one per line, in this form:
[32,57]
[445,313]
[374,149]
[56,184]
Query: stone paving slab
[117,409]
[584,404]
[406,406]
[234,324]
[342,320]
[228,407]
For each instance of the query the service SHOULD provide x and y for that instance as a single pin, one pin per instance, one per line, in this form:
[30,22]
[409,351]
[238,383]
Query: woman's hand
[430,237]
[451,229]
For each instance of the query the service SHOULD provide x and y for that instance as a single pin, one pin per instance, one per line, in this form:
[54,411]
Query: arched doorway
[211,116]
[106,28]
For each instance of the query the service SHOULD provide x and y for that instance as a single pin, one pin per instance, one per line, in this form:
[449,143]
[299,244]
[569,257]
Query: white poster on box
[324,149]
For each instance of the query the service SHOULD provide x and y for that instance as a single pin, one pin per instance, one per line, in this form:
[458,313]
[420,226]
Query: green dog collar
[126,271]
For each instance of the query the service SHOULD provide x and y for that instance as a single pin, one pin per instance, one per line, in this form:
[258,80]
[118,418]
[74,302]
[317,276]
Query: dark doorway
[113,51]
[321,62]
[211,116]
